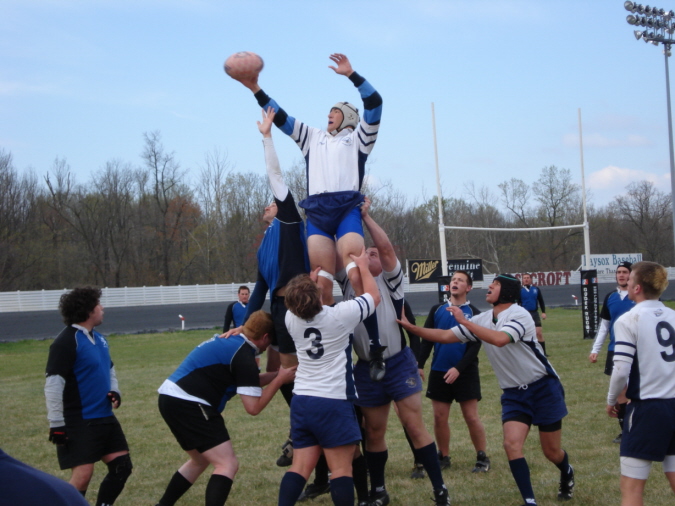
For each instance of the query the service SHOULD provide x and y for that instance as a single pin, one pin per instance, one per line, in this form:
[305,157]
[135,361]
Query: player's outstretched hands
[232,332]
[365,206]
[314,275]
[458,314]
[265,126]
[287,375]
[361,261]
[344,68]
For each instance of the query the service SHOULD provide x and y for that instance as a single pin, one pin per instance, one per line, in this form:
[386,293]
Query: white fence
[48,300]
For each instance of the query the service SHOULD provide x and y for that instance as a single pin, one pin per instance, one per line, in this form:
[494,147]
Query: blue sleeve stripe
[367,134]
[363,304]
[399,276]
[302,136]
[624,343]
[373,116]
[287,126]
[622,354]
[517,328]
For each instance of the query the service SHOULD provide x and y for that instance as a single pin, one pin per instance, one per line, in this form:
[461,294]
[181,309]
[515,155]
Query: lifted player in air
[81,391]
[454,374]
[532,392]
[644,360]
[335,159]
[192,398]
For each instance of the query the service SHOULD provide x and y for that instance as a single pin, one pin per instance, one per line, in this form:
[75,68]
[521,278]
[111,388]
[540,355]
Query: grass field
[144,361]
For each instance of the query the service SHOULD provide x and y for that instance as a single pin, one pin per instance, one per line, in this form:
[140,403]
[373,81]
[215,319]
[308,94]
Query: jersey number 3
[667,342]
[310,333]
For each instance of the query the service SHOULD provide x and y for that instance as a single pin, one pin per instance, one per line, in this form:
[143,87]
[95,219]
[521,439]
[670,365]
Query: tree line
[150,224]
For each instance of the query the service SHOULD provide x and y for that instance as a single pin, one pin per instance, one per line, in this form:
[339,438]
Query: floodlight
[640,9]
[638,34]
[631,19]
[648,10]
[630,6]
[650,23]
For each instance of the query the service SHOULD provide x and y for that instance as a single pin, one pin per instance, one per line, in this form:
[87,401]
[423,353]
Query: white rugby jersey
[645,338]
[333,162]
[324,348]
[390,285]
[519,363]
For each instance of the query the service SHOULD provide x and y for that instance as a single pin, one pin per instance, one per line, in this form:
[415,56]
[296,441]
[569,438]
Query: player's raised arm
[342,64]
[433,335]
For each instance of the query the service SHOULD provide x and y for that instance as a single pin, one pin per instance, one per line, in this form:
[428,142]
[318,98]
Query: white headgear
[350,115]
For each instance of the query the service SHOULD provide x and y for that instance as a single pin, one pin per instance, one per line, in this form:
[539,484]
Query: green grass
[144,361]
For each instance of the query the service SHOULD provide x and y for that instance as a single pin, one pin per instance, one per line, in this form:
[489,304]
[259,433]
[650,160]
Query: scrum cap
[350,115]
[627,265]
[510,289]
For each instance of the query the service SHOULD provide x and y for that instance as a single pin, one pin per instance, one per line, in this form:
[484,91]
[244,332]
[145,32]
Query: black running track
[144,319]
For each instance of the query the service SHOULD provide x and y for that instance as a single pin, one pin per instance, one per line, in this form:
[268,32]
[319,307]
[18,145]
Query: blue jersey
[613,307]
[282,254]
[531,299]
[83,362]
[234,316]
[448,355]
[216,369]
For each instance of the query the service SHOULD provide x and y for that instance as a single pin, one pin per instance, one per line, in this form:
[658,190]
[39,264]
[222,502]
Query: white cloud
[616,178]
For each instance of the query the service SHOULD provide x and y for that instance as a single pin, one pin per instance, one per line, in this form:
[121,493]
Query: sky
[83,80]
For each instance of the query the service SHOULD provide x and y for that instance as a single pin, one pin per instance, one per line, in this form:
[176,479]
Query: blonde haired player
[644,360]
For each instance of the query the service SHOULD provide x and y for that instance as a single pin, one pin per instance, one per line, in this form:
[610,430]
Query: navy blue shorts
[328,423]
[401,380]
[649,430]
[542,401]
[351,223]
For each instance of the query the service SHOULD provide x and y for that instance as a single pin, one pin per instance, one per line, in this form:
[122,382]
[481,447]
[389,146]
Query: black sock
[428,457]
[376,463]
[564,466]
[342,491]
[360,473]
[287,392]
[83,492]
[410,443]
[521,473]
[119,469]
[290,488]
[217,490]
[321,472]
[175,489]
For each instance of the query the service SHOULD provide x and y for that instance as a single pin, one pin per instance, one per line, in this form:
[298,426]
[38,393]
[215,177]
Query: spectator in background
[531,299]
[234,316]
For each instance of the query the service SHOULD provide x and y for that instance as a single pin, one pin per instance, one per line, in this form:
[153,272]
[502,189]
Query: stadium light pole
[659,28]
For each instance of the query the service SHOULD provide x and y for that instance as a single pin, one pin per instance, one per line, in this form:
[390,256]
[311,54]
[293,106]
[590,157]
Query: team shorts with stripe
[91,440]
[542,402]
[401,380]
[535,316]
[195,426]
[328,423]
[282,339]
[649,430]
[465,388]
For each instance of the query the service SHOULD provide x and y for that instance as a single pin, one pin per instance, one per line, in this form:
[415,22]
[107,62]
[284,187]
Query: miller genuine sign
[424,271]
[428,271]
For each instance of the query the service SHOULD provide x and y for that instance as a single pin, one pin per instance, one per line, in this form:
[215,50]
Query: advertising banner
[589,303]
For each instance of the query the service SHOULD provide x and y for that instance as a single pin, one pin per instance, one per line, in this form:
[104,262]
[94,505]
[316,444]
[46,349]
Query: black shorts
[465,388]
[609,363]
[195,426]
[535,317]
[90,441]
[282,338]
